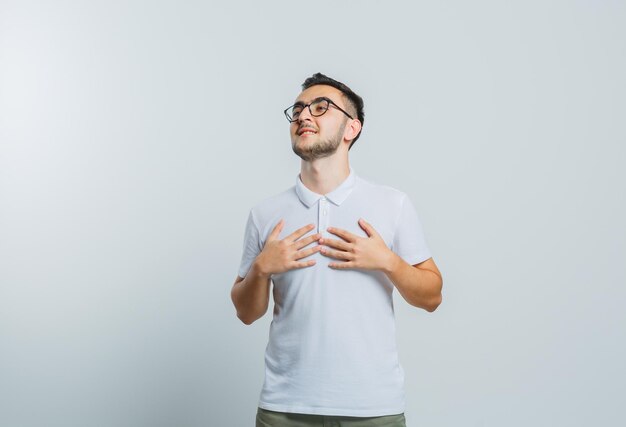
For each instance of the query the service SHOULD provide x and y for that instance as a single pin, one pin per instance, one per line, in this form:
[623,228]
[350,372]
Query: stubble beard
[319,150]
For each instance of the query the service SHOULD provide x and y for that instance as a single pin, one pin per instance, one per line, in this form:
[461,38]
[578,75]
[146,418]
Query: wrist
[258,269]
[392,264]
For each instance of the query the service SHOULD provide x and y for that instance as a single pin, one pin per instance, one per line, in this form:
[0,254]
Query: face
[317,137]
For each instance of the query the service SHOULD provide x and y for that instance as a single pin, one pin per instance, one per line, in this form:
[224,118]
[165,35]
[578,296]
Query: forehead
[316,91]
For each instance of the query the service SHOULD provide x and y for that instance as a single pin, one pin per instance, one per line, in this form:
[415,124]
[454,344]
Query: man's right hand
[279,256]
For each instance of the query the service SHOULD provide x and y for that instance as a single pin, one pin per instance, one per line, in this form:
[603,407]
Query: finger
[341,265]
[367,227]
[299,244]
[337,254]
[302,264]
[276,231]
[339,244]
[306,252]
[345,235]
[299,233]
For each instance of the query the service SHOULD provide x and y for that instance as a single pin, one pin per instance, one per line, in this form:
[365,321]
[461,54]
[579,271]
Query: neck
[324,175]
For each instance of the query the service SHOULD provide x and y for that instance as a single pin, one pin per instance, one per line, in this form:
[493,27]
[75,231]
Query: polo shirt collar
[337,196]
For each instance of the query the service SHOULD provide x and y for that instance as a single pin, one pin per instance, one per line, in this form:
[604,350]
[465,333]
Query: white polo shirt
[332,341]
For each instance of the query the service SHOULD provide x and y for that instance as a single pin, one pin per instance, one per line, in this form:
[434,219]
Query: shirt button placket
[323,215]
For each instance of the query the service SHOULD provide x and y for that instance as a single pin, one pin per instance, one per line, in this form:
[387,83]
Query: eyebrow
[301,104]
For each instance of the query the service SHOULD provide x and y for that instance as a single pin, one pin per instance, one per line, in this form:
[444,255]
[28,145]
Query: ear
[352,130]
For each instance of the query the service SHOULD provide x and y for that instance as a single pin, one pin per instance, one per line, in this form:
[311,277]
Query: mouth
[306,131]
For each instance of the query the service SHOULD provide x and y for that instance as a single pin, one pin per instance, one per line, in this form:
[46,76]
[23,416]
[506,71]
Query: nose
[305,114]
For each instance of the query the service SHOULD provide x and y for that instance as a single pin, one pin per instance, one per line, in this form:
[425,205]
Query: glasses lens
[294,112]
[319,107]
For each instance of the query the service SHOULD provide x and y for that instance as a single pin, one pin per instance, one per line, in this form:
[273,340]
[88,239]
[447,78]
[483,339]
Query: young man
[334,246]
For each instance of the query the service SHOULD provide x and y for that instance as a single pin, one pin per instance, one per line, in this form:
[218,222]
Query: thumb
[276,231]
[367,227]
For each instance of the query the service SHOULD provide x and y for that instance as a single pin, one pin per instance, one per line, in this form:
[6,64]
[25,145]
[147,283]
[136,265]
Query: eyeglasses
[317,107]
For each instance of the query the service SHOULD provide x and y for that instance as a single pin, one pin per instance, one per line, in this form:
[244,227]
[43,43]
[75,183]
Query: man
[334,246]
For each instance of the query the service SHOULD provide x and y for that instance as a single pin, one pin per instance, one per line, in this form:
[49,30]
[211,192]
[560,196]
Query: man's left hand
[368,253]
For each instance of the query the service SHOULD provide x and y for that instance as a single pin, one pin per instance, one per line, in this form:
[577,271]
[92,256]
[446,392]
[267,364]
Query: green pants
[265,418]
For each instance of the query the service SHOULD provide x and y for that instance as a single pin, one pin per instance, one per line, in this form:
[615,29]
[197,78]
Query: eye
[295,111]
[319,107]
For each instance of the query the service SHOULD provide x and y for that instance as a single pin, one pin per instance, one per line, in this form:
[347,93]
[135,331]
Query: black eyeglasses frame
[321,98]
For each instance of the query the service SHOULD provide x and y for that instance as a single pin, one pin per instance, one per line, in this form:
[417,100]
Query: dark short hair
[354,100]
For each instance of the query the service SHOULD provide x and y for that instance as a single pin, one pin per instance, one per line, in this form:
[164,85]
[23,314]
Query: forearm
[251,295]
[419,287]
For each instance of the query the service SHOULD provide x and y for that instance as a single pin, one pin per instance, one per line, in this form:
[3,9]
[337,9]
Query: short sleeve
[251,246]
[409,242]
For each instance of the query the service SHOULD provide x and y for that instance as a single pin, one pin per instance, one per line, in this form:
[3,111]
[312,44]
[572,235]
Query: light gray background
[135,137]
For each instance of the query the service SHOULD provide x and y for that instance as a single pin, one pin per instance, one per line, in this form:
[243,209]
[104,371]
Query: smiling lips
[306,131]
